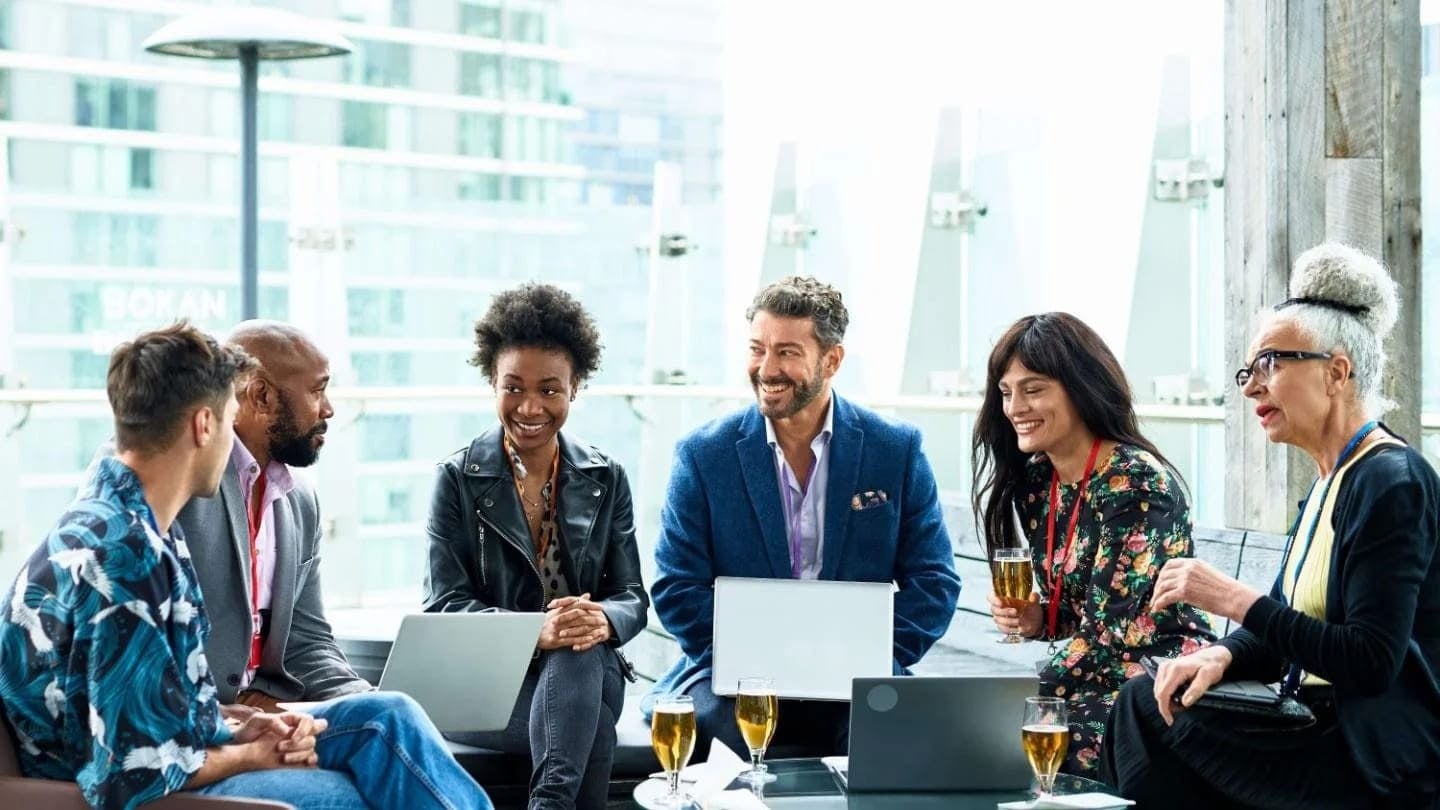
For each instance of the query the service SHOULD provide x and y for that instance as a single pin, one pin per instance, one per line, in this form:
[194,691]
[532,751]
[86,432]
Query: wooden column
[1322,142]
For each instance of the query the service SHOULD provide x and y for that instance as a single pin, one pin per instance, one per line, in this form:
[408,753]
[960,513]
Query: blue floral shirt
[102,651]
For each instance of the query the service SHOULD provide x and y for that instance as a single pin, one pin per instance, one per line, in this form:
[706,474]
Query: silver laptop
[938,734]
[813,637]
[464,669]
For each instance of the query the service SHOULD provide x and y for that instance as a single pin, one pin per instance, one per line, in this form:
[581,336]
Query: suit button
[233,680]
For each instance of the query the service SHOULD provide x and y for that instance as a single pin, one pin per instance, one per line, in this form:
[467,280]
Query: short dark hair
[540,316]
[158,377]
[805,297]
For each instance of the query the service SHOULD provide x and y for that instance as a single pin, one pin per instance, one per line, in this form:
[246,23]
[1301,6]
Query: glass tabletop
[807,783]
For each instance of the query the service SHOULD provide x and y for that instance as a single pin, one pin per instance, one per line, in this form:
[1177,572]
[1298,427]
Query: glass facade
[470,145]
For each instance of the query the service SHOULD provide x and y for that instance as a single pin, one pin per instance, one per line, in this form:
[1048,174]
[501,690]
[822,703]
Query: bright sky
[859,86]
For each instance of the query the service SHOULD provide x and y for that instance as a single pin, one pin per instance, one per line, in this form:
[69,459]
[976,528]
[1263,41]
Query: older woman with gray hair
[1351,627]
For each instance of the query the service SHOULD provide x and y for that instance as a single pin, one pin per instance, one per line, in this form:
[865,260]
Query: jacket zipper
[528,557]
[484,580]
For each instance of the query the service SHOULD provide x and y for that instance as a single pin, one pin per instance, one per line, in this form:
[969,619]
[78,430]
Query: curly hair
[539,316]
[805,297]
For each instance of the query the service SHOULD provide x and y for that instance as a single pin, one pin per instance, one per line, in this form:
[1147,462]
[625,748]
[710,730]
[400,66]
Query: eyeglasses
[1263,365]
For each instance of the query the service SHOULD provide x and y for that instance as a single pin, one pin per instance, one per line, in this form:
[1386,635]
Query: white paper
[718,771]
[1078,801]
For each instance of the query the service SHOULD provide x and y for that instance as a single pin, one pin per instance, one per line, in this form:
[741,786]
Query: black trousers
[819,726]
[1212,759]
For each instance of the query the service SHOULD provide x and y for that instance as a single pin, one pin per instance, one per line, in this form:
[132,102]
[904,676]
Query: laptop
[464,669]
[937,734]
[813,637]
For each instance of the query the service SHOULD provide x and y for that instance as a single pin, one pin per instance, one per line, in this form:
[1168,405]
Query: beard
[290,445]
[801,393]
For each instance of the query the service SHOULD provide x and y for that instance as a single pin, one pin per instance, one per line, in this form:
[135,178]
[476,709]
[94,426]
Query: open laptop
[813,637]
[937,734]
[464,669]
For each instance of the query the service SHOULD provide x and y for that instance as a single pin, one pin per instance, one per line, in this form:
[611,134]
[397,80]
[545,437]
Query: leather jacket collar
[486,456]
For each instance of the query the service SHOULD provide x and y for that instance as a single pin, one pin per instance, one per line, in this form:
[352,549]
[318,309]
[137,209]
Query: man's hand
[1026,621]
[1198,583]
[285,740]
[235,715]
[574,622]
[1196,673]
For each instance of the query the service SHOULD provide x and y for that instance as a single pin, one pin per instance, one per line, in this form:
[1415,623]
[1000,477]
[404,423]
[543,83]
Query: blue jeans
[564,719]
[379,751]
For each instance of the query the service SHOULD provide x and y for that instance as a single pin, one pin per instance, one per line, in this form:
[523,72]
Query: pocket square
[868,499]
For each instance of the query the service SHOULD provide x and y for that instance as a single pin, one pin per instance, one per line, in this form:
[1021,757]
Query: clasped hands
[574,622]
[282,740]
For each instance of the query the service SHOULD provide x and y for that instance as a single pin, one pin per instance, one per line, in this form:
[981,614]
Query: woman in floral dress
[1058,456]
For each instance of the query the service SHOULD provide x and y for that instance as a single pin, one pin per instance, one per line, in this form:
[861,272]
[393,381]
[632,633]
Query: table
[807,783]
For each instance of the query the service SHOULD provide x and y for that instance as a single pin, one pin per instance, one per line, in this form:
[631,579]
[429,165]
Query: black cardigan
[1379,644]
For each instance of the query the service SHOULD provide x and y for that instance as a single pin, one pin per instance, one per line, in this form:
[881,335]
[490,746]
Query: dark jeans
[564,719]
[821,727]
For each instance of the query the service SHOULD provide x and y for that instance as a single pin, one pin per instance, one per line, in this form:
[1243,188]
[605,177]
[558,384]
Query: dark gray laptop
[938,734]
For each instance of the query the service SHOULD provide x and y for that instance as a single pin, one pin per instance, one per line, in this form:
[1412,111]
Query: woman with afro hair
[527,518]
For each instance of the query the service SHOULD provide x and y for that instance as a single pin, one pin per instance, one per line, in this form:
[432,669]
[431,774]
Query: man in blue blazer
[801,485]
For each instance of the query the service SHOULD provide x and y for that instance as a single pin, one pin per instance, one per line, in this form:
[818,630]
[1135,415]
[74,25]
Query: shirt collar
[277,476]
[826,430]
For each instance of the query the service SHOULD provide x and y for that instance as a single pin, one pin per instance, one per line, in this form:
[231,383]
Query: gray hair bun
[1341,274]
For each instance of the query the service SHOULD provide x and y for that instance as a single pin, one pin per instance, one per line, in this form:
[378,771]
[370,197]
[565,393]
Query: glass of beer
[1045,733]
[672,735]
[756,711]
[1013,574]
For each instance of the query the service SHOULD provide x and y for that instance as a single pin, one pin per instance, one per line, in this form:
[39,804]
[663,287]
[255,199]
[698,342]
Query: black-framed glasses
[1263,365]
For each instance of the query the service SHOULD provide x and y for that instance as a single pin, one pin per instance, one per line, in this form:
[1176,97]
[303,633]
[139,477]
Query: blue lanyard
[1292,678]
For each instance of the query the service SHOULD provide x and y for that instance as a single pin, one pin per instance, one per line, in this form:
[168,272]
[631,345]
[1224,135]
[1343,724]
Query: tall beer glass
[757,710]
[1013,573]
[1045,733]
[672,735]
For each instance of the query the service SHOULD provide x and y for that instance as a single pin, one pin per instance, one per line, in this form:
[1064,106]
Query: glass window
[384,437]
[142,168]
[379,64]
[479,134]
[480,74]
[480,20]
[363,124]
[479,187]
[527,26]
[114,103]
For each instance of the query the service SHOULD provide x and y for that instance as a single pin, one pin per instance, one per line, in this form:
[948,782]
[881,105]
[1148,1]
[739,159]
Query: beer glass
[1045,733]
[756,711]
[1014,577]
[672,735]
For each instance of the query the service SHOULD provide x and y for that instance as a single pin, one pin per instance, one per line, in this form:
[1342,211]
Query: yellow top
[1307,593]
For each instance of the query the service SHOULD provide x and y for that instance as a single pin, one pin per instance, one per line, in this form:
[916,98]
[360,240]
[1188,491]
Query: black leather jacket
[480,553]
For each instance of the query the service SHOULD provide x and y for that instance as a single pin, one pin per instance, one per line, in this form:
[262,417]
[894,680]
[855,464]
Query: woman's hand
[574,622]
[1195,673]
[1198,583]
[1026,621]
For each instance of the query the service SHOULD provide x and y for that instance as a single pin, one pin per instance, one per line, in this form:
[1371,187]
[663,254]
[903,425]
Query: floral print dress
[1133,518]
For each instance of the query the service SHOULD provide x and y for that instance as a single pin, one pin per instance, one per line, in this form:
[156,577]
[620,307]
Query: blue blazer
[723,517]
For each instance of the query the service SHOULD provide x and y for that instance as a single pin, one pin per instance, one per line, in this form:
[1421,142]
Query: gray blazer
[300,660]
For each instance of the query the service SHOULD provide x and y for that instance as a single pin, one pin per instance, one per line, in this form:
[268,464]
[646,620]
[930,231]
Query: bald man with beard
[257,542]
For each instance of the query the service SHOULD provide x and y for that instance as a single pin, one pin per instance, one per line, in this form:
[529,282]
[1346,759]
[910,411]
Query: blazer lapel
[847,447]
[757,465]
[234,501]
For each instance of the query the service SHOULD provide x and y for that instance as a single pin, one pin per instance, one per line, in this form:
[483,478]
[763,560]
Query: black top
[1379,644]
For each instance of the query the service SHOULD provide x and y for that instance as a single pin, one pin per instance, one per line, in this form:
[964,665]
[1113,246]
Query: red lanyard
[256,513]
[1053,577]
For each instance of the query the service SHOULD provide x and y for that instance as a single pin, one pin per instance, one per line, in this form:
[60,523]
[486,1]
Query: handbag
[1253,699]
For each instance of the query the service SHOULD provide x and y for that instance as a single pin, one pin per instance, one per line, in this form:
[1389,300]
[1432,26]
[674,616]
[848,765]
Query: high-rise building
[452,155]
